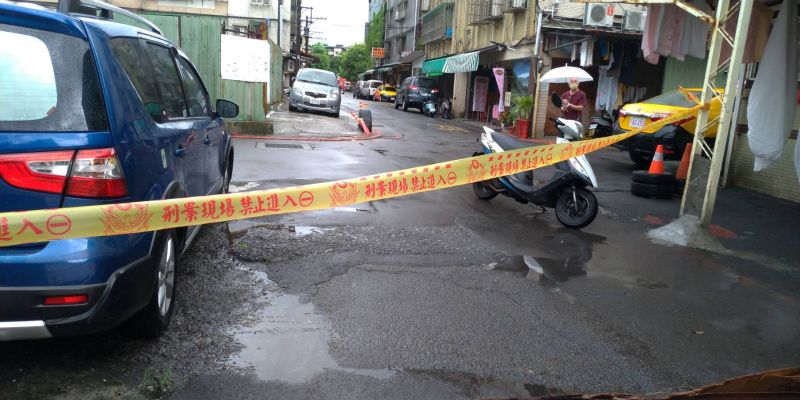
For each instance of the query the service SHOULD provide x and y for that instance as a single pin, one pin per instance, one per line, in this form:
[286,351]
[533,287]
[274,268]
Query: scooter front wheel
[483,192]
[576,207]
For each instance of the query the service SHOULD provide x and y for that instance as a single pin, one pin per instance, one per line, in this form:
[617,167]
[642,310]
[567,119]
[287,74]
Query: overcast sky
[344,24]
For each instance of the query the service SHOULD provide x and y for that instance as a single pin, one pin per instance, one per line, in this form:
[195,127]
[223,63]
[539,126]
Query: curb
[368,135]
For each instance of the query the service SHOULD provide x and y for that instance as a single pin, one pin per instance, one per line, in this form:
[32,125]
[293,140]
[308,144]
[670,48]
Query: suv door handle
[207,140]
[180,151]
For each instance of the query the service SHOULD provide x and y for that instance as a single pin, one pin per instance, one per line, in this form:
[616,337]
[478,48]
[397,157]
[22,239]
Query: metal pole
[704,174]
[280,4]
[726,169]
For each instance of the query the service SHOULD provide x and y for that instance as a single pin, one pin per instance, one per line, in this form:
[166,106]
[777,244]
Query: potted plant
[506,119]
[522,107]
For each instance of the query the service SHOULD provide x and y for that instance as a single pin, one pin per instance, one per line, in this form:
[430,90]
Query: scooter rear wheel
[483,192]
[576,211]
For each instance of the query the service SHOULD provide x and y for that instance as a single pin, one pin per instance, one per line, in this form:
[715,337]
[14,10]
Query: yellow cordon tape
[105,220]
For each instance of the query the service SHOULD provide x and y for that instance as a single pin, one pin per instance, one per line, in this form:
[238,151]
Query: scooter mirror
[556,99]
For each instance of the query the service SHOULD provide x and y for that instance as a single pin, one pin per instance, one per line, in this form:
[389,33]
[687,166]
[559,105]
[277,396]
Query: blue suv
[96,112]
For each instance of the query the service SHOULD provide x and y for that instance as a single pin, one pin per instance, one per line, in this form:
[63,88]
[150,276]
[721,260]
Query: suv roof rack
[90,7]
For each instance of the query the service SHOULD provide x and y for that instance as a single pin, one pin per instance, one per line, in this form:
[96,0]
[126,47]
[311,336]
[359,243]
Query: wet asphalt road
[428,296]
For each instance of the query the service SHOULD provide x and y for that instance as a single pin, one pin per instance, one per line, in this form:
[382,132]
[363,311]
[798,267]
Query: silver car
[315,90]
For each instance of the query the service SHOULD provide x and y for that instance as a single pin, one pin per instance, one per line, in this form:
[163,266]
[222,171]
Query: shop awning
[466,62]
[434,67]
[389,67]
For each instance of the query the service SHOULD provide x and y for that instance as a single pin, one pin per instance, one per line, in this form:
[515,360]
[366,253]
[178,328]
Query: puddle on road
[290,341]
[566,256]
[232,188]
[300,230]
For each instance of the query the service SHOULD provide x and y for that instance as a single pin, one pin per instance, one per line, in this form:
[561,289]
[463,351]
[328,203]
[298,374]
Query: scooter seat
[508,142]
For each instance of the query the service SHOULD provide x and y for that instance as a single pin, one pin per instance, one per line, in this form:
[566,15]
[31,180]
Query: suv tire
[153,320]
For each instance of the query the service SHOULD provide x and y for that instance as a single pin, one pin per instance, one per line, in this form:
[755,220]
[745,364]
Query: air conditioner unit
[517,5]
[599,15]
[497,9]
[634,20]
[259,2]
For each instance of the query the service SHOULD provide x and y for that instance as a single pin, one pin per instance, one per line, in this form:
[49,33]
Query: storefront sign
[378,52]
[500,77]
[480,90]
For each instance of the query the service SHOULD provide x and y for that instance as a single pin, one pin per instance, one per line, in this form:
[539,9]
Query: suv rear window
[48,83]
[427,83]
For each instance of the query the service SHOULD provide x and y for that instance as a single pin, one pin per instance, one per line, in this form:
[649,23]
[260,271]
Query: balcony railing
[437,23]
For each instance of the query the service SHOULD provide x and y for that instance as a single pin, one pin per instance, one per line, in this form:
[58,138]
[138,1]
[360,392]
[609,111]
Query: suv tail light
[43,172]
[95,173]
[413,87]
[434,90]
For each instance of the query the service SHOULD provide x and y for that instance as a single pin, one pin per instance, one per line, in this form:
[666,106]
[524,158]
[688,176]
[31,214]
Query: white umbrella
[563,75]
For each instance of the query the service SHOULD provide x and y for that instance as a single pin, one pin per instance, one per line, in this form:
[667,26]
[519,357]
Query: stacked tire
[659,186]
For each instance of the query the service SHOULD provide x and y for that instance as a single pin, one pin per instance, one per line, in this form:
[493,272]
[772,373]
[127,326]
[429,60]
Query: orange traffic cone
[683,168]
[657,166]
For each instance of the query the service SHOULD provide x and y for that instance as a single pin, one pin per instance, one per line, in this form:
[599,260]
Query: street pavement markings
[125,218]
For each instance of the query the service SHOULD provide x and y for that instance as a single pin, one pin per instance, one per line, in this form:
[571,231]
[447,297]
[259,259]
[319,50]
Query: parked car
[674,137]
[315,90]
[357,89]
[414,91]
[384,93]
[103,113]
[369,88]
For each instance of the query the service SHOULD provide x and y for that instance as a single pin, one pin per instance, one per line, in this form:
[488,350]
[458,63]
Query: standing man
[573,101]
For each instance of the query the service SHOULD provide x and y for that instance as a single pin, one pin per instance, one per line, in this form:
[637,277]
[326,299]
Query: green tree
[376,30]
[336,62]
[354,61]
[319,50]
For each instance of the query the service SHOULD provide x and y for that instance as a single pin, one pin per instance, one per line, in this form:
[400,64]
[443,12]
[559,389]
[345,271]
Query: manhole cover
[284,146]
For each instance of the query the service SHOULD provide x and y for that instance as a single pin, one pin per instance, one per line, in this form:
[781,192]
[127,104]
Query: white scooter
[566,191]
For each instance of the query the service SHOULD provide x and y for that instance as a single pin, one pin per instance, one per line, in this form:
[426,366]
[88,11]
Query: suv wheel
[405,104]
[226,177]
[154,319]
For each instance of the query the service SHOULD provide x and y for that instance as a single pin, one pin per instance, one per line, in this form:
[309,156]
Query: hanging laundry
[607,92]
[587,51]
[694,35]
[671,29]
[652,26]
[757,34]
[771,106]
[603,49]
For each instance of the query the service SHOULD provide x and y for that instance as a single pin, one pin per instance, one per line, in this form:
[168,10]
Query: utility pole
[298,23]
[309,20]
[280,4]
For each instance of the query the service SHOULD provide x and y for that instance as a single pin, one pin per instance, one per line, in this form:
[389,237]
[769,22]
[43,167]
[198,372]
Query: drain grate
[283,146]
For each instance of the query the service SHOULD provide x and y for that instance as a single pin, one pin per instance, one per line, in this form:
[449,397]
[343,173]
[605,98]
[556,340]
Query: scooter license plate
[637,122]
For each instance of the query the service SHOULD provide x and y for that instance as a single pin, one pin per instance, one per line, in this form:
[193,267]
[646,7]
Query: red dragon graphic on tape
[343,193]
[125,218]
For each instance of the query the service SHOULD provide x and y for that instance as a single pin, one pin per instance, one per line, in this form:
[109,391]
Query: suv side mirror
[227,109]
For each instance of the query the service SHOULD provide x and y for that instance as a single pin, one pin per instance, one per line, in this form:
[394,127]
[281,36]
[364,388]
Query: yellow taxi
[385,93]
[674,137]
